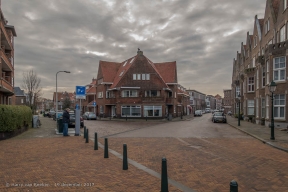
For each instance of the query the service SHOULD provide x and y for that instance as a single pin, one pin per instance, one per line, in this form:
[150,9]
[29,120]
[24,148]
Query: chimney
[139,52]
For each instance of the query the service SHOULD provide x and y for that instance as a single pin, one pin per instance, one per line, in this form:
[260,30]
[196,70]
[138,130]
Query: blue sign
[94,104]
[77,106]
[80,92]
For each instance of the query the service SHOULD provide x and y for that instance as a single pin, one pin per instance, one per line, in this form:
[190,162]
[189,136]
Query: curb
[260,139]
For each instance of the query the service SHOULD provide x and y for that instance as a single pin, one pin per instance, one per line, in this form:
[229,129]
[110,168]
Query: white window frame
[143,76]
[237,91]
[129,93]
[257,107]
[263,76]
[263,107]
[100,94]
[281,67]
[132,112]
[251,84]
[282,33]
[253,64]
[147,76]
[250,107]
[257,79]
[149,93]
[267,73]
[134,76]
[267,106]
[155,111]
[138,76]
[284,4]
[279,103]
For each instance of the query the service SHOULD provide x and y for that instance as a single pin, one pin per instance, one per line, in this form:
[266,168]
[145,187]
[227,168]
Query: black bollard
[96,142]
[125,159]
[106,148]
[164,176]
[87,136]
[84,132]
[233,186]
[126,117]
[181,116]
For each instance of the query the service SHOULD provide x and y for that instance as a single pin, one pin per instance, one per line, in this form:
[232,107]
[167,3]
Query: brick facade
[262,59]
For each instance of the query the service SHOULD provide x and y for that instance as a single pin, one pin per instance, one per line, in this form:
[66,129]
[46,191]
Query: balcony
[260,60]
[6,87]
[110,101]
[6,61]
[152,99]
[278,48]
[5,39]
[250,70]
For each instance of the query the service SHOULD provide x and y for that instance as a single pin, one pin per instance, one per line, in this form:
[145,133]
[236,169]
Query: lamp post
[56,116]
[272,88]
[238,97]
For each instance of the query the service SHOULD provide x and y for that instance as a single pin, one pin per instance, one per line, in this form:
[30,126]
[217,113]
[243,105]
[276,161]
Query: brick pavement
[203,164]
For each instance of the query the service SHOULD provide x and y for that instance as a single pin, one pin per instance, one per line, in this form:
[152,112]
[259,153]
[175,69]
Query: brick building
[139,88]
[197,100]
[263,58]
[20,96]
[227,100]
[219,102]
[7,34]
[211,102]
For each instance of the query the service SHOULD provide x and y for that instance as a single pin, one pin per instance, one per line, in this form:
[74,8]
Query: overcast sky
[202,36]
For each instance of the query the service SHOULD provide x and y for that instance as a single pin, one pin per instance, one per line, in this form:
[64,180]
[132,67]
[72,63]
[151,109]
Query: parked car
[59,115]
[197,113]
[51,113]
[219,117]
[72,120]
[89,115]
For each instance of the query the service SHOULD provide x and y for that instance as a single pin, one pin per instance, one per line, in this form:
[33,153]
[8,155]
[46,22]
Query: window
[101,109]
[263,113]
[284,4]
[253,62]
[152,93]
[250,84]
[110,94]
[100,94]
[138,76]
[263,77]
[237,91]
[121,73]
[250,105]
[129,93]
[257,107]
[143,76]
[267,106]
[124,63]
[132,60]
[282,34]
[134,77]
[279,106]
[148,76]
[22,100]
[257,80]
[153,111]
[131,111]
[267,72]
[279,68]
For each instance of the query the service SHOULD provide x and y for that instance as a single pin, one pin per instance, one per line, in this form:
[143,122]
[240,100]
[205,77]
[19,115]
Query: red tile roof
[108,70]
[168,71]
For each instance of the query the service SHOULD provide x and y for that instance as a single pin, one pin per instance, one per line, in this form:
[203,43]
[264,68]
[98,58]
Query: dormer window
[121,73]
[267,26]
[132,60]
[124,63]
[282,34]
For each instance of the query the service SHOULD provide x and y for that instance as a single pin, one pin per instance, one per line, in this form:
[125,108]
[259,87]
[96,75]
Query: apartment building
[210,102]
[219,102]
[262,59]
[197,100]
[227,100]
[7,34]
[140,88]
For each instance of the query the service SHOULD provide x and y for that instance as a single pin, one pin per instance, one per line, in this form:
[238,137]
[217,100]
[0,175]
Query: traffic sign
[94,104]
[80,92]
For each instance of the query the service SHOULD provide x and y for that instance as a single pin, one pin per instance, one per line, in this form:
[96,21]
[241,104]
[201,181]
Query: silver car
[219,117]
[89,115]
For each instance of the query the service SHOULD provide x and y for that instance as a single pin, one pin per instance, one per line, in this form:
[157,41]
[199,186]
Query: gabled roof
[168,71]
[108,70]
[114,72]
[18,91]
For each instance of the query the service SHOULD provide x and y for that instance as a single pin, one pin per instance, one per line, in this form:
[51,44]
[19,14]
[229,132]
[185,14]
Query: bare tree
[31,85]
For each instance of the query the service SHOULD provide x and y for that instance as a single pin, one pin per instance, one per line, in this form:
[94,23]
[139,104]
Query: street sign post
[80,94]
[94,105]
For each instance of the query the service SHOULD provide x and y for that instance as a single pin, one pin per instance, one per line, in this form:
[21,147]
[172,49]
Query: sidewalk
[262,133]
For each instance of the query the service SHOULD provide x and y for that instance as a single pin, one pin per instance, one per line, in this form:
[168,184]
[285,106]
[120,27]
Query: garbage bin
[170,117]
[35,119]
[60,125]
